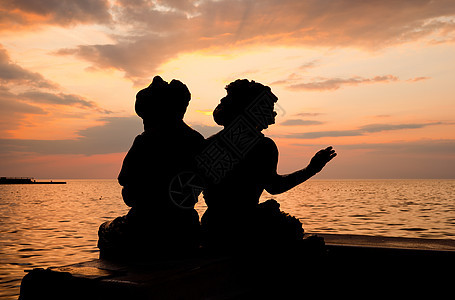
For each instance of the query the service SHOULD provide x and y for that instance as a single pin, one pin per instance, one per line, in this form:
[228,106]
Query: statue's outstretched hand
[320,159]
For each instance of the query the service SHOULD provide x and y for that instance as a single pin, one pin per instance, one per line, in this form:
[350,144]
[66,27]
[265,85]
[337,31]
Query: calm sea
[51,225]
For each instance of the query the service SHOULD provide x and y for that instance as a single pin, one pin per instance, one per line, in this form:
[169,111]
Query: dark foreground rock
[354,266]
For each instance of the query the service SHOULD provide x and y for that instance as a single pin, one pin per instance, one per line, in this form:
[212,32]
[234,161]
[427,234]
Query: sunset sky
[374,79]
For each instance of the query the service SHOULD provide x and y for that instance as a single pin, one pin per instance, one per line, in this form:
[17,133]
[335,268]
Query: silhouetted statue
[239,163]
[156,223]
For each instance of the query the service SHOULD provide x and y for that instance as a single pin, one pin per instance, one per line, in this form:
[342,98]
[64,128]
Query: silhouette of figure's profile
[155,223]
[240,162]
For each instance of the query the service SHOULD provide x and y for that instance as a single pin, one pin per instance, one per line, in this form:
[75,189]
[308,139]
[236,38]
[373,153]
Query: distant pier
[26,180]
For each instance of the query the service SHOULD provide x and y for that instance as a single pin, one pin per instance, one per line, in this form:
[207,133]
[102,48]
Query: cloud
[387,127]
[22,14]
[39,95]
[442,146]
[158,16]
[295,122]
[309,65]
[13,73]
[294,76]
[426,158]
[370,128]
[138,58]
[10,106]
[424,146]
[336,83]
[290,78]
[319,134]
[57,98]
[114,136]
[154,32]
[415,79]
[308,114]
[13,112]
[16,107]
[330,84]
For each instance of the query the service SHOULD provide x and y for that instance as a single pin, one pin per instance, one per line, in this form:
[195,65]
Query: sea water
[53,225]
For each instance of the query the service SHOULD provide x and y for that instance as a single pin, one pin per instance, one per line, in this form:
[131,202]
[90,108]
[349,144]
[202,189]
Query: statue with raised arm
[239,163]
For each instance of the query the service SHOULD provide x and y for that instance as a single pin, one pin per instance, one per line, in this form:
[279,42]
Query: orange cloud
[22,14]
[363,130]
[13,113]
[160,35]
[13,73]
[39,96]
[298,122]
[415,79]
[336,83]
[115,135]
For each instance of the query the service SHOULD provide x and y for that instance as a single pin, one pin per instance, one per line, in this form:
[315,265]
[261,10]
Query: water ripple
[43,226]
